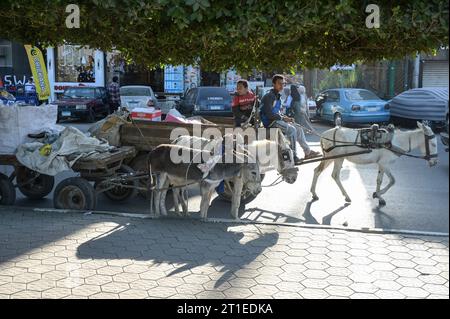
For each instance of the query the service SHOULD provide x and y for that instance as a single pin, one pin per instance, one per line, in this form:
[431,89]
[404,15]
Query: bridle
[427,155]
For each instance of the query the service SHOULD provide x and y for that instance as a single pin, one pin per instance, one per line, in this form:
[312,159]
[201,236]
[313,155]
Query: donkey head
[428,148]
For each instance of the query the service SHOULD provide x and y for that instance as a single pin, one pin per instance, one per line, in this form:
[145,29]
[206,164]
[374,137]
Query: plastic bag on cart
[16,122]
[72,142]
[109,128]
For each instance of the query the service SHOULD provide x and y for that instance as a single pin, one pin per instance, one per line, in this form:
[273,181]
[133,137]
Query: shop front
[73,65]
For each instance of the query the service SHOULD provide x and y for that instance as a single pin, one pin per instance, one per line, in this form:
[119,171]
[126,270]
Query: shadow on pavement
[186,243]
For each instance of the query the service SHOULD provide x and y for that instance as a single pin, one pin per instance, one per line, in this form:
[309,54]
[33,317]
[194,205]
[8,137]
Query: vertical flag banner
[39,71]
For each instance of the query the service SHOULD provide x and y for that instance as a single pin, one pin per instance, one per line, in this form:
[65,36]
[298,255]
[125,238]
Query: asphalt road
[418,201]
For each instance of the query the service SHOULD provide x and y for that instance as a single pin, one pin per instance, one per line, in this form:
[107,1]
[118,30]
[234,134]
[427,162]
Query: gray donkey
[181,174]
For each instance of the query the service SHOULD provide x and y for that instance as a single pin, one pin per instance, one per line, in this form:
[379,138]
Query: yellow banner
[39,71]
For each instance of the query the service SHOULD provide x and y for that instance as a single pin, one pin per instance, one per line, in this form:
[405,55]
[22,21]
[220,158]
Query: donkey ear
[419,125]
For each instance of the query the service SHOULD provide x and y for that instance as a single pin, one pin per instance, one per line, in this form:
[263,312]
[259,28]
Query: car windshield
[360,95]
[134,91]
[214,96]
[79,93]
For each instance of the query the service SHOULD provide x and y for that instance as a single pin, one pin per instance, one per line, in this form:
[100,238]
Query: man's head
[30,80]
[242,87]
[115,79]
[278,82]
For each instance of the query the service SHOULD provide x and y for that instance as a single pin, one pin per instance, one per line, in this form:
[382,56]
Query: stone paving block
[27,294]
[237,293]
[126,277]
[339,281]
[86,290]
[110,270]
[414,292]
[315,274]
[312,293]
[360,295]
[363,288]
[26,278]
[41,285]
[133,294]
[432,279]
[189,289]
[407,272]
[115,287]
[267,280]
[162,292]
[56,293]
[104,295]
[208,294]
[436,289]
[389,294]
[264,289]
[315,283]
[410,282]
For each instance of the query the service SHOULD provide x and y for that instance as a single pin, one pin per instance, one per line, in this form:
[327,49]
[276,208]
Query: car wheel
[338,119]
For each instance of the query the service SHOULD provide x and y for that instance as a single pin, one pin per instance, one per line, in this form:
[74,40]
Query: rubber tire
[337,116]
[83,189]
[7,191]
[127,192]
[39,188]
[225,196]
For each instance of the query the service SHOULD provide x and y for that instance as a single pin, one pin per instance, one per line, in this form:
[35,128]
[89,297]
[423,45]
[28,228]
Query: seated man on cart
[271,116]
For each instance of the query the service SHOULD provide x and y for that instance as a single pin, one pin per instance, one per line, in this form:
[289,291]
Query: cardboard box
[146,114]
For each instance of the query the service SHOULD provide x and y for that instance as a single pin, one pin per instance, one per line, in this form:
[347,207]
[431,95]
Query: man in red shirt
[243,102]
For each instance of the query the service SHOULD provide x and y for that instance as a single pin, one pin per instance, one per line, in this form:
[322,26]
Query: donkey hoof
[382,202]
[315,197]
[348,200]
[374,195]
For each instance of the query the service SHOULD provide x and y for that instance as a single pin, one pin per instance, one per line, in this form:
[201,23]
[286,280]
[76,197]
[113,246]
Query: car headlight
[356,108]
[81,107]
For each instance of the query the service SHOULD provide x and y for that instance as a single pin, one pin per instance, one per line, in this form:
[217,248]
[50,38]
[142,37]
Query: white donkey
[403,142]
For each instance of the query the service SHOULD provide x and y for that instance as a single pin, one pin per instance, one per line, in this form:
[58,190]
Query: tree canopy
[244,34]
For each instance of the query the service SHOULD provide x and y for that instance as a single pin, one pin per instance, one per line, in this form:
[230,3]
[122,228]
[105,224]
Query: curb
[228,221]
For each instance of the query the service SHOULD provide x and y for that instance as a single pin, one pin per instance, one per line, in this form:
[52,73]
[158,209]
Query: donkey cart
[108,170]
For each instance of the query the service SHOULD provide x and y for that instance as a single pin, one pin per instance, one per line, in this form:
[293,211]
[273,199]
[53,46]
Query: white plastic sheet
[16,122]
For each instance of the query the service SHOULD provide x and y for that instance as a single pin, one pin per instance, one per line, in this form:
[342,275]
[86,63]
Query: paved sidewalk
[54,255]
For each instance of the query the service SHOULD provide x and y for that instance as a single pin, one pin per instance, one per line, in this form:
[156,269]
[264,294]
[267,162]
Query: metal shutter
[435,74]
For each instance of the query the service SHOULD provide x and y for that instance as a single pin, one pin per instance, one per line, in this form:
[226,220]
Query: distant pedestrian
[30,87]
[114,94]
[299,106]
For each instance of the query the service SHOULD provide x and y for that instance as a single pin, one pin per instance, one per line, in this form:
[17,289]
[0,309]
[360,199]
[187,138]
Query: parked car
[206,100]
[428,105]
[357,106]
[132,96]
[83,102]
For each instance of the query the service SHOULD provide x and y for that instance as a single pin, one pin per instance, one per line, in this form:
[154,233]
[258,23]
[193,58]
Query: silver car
[132,96]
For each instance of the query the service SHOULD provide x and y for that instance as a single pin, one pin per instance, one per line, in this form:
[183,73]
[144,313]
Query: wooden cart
[73,192]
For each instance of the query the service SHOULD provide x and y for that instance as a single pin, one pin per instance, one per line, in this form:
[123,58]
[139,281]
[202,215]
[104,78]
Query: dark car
[206,100]
[85,103]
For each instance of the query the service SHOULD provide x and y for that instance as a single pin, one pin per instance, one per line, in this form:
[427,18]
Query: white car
[132,96]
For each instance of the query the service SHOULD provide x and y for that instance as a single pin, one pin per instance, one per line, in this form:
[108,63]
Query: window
[75,64]
[5,53]
[360,95]
[332,96]
[135,91]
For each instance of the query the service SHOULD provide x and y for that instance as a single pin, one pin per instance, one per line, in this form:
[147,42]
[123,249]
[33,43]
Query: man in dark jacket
[271,117]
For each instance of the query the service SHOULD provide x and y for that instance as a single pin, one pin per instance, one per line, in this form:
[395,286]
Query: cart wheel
[139,164]
[246,195]
[74,193]
[40,186]
[119,194]
[7,191]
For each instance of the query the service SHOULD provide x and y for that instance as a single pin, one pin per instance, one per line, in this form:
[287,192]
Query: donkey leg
[337,177]
[163,208]
[204,203]
[317,171]
[236,197]
[176,197]
[377,194]
[184,201]
[391,183]
[157,197]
